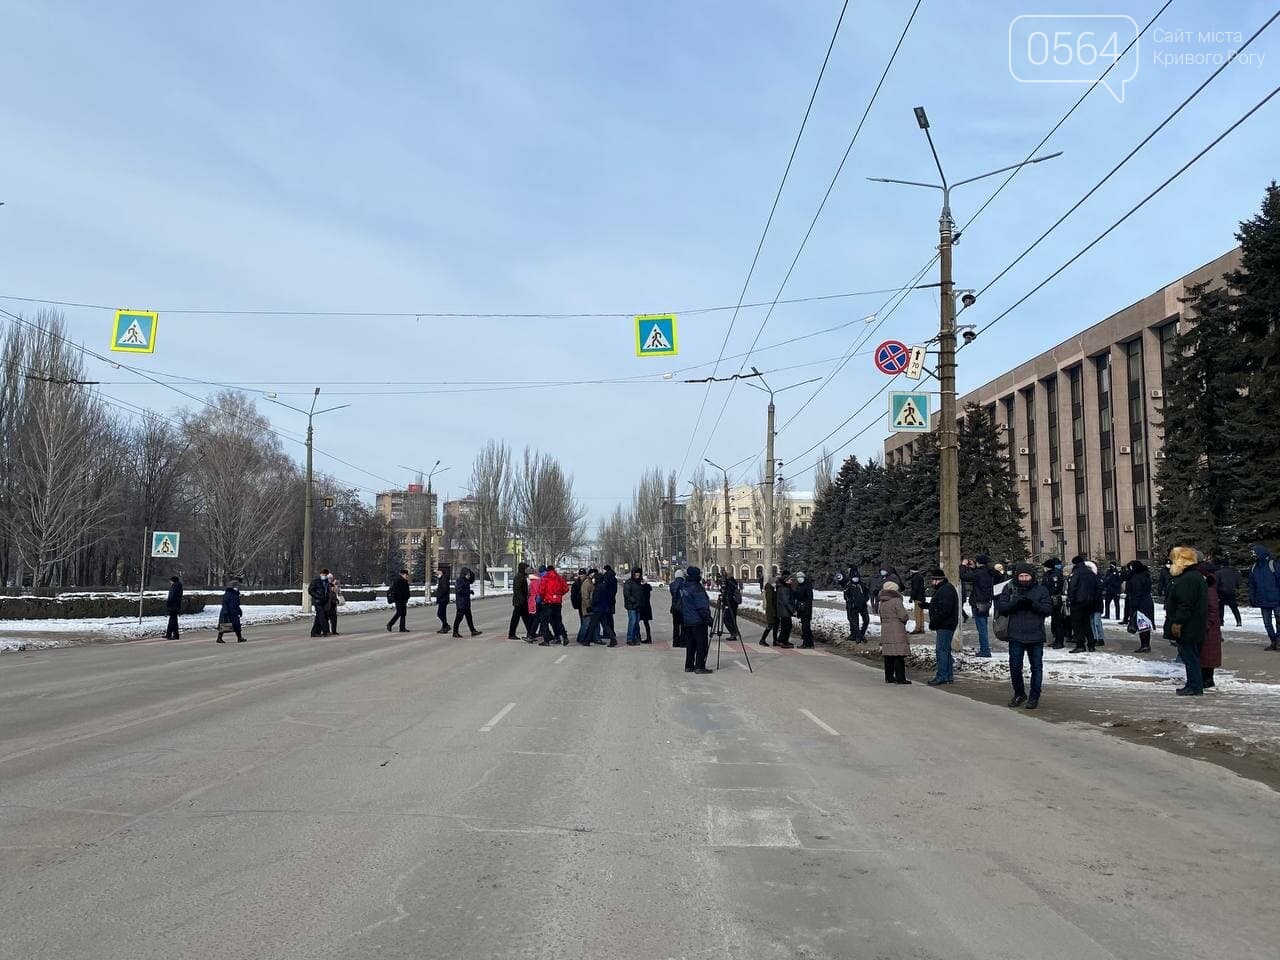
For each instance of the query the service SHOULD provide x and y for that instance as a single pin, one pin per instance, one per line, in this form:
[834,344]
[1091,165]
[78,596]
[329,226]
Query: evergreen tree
[990,517]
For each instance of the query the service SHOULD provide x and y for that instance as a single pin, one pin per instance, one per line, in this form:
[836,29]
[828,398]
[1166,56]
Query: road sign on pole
[656,335]
[908,411]
[164,544]
[134,331]
[915,366]
[892,357]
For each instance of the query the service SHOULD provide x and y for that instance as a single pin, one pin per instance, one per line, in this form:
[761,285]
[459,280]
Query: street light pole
[728,521]
[948,443]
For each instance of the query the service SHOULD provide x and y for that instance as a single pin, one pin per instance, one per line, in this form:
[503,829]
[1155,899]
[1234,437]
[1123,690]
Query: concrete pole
[306,529]
[769,464]
[948,441]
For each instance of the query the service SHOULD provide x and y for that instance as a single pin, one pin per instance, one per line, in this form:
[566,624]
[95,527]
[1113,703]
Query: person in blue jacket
[1264,590]
[229,615]
[695,610]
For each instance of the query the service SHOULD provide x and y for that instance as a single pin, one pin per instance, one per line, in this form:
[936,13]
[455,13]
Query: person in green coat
[1186,608]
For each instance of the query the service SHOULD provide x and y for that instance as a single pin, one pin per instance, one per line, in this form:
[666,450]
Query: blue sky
[578,157]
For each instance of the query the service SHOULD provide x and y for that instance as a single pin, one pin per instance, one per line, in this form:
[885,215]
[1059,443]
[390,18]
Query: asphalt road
[388,796]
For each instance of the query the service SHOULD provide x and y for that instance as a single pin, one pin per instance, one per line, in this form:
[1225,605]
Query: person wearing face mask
[855,605]
[804,610]
[786,600]
[873,588]
[1027,605]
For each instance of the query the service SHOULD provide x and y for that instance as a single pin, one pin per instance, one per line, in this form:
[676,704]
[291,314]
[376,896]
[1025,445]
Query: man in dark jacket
[1186,610]
[730,600]
[695,610]
[398,595]
[173,606]
[1162,583]
[1026,604]
[632,600]
[855,605]
[604,601]
[1111,586]
[803,603]
[982,578]
[916,594]
[462,602]
[877,581]
[229,614]
[1228,586]
[442,596]
[520,602]
[318,591]
[1138,600]
[677,584]
[944,617]
[1082,595]
[786,600]
[1055,584]
[1264,590]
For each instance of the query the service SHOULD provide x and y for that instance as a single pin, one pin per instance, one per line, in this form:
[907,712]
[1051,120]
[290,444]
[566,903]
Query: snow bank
[15,645]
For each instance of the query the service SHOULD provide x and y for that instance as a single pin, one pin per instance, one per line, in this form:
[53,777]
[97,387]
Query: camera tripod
[717,627]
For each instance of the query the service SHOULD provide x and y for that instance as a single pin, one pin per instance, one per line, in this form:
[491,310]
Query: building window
[1055,457]
[1168,351]
[1138,446]
[1033,473]
[1076,381]
[1011,435]
[1107,454]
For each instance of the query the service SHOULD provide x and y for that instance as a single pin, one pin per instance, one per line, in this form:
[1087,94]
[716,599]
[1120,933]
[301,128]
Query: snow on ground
[16,645]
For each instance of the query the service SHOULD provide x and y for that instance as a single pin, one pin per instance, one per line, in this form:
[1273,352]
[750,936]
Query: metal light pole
[770,464]
[310,414]
[949,453]
[728,520]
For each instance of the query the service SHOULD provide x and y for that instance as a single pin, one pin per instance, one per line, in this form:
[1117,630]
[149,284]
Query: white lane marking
[825,726]
[497,718]
[562,658]
[740,664]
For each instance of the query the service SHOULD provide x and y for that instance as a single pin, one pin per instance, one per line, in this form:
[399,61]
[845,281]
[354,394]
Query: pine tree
[990,517]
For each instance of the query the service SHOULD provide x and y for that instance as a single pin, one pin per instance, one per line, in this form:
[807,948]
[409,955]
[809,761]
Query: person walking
[1082,594]
[1027,604]
[982,578]
[1186,610]
[462,602]
[770,612]
[632,597]
[696,617]
[229,614]
[398,595]
[1055,585]
[173,607]
[919,599]
[1228,579]
[318,591]
[944,617]
[442,596]
[1111,586]
[1211,648]
[1138,600]
[677,584]
[334,602]
[1264,590]
[553,588]
[855,606]
[730,600]
[803,603]
[646,612]
[786,609]
[895,645]
[603,602]
[519,602]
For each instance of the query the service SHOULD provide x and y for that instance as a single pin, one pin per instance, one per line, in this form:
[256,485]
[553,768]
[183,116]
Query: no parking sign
[892,357]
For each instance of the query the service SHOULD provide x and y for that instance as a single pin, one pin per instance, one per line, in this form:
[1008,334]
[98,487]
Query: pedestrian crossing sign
[164,544]
[908,411]
[656,335]
[134,331]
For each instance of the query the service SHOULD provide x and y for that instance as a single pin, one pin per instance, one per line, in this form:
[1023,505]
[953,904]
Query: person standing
[855,607]
[1166,577]
[770,612]
[919,599]
[786,609]
[982,578]
[334,602]
[944,617]
[173,607]
[229,614]
[1264,590]
[696,617]
[398,594]
[1055,585]
[1211,648]
[534,606]
[730,600]
[1082,594]
[646,612]
[603,601]
[586,593]
[632,597]
[677,584]
[318,591]
[1111,584]
[803,603]
[553,588]
[1186,610]
[462,602]
[1138,600]
[877,581]
[895,645]
[1026,604]
[1228,579]
[442,597]
[519,601]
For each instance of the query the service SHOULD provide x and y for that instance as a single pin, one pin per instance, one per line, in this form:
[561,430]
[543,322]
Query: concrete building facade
[412,515]
[1082,422]
[745,554]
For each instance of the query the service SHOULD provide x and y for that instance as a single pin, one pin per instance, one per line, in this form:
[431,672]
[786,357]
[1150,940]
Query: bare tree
[646,521]
[492,480]
[545,512]
[698,522]
[614,541]
[823,473]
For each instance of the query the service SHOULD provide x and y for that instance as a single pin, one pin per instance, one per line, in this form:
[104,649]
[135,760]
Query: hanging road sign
[656,335]
[164,543]
[134,331]
[915,366]
[908,412]
[892,357]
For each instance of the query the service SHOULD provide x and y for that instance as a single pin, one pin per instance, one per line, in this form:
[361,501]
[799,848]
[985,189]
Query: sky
[600,158]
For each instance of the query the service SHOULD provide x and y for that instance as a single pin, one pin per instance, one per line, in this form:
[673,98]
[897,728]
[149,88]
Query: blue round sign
[892,357]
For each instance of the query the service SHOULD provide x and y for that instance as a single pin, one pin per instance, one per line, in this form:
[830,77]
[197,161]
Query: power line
[693,435]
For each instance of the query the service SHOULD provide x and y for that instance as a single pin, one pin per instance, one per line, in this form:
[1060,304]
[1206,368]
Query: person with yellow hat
[1186,611]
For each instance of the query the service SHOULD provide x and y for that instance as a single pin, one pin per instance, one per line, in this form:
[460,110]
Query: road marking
[497,718]
[562,658]
[749,827]
[741,665]
[825,726]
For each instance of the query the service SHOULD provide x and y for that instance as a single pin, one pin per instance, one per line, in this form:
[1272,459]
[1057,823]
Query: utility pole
[948,443]
[728,521]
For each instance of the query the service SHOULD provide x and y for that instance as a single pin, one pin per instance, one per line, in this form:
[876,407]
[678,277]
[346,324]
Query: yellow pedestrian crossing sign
[908,411]
[656,335]
[134,331]
[164,544]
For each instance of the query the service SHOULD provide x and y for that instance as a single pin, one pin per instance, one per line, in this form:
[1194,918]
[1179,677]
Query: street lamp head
[922,118]
[969,299]
[317,393]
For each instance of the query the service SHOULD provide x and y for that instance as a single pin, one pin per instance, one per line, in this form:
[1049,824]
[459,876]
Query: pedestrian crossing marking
[656,335]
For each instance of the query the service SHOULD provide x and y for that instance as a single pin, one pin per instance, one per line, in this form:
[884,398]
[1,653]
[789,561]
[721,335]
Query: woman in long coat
[1211,648]
[895,645]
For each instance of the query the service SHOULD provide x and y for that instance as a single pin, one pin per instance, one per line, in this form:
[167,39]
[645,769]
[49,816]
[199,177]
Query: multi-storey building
[746,540]
[1082,422]
[412,515]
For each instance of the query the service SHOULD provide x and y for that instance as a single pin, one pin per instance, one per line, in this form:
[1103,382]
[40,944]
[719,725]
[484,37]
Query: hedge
[74,608]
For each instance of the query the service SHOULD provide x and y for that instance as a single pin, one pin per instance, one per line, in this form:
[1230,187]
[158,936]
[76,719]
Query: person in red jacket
[552,588]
